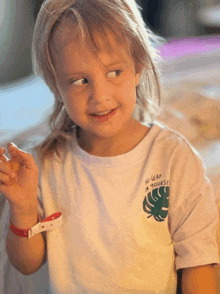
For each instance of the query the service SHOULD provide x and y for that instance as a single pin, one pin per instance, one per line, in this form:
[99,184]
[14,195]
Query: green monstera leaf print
[156,203]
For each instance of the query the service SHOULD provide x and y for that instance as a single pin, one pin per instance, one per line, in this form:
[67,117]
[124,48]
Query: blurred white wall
[16,29]
[204,3]
[180,17]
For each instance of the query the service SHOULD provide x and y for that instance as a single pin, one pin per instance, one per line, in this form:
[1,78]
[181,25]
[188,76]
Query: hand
[20,191]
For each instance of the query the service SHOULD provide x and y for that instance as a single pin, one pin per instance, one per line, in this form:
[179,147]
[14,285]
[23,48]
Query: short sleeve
[193,217]
[41,212]
[4,217]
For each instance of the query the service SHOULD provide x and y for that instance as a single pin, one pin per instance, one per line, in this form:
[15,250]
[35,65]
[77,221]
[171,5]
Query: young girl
[133,198]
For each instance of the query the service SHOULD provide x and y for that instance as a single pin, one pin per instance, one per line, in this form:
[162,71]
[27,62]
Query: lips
[103,116]
[102,113]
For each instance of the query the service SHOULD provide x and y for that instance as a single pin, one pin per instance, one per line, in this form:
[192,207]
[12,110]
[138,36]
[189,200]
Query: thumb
[22,157]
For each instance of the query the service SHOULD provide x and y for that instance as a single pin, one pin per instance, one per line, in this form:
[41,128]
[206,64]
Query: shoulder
[184,157]
[53,157]
[175,146]
[185,166]
[167,135]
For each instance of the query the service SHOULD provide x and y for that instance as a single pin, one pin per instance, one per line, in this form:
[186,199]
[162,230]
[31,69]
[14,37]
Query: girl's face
[99,94]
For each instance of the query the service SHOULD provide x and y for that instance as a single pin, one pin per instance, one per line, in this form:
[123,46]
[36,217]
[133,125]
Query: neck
[112,146]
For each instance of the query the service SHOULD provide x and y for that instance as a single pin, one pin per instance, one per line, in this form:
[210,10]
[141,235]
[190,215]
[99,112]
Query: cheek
[68,103]
[75,108]
[72,104]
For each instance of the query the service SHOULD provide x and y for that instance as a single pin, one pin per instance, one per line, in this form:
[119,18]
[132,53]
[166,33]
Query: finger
[22,157]
[5,179]
[3,158]
[14,166]
[7,168]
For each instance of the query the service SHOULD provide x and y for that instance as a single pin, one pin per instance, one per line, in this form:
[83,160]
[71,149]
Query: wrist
[49,223]
[23,219]
[24,210]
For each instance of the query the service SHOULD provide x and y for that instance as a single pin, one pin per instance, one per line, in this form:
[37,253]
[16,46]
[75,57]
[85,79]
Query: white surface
[201,67]
[17,24]
[210,15]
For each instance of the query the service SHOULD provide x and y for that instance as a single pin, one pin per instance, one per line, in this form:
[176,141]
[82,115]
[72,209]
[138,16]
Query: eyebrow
[117,62]
[114,63]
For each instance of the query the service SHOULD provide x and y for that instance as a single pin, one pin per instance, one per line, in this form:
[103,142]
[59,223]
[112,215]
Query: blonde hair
[123,17]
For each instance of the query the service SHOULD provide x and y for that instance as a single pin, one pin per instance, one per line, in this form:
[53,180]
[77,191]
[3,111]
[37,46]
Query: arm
[199,280]
[27,255]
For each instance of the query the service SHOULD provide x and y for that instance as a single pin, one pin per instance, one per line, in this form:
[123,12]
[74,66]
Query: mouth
[104,115]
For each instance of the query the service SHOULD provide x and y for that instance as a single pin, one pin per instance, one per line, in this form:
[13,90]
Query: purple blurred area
[184,46]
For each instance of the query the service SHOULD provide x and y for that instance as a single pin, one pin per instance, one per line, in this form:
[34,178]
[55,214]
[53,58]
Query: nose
[100,92]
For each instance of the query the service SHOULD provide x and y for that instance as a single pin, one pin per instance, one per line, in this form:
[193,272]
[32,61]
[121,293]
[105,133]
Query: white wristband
[49,223]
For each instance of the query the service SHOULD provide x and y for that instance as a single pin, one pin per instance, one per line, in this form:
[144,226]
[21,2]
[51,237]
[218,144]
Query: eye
[114,73]
[79,82]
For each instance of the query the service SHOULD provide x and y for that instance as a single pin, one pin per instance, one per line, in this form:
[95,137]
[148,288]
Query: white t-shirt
[129,221]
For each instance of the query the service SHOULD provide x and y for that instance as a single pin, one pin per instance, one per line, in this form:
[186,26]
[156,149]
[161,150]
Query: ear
[137,79]
[138,74]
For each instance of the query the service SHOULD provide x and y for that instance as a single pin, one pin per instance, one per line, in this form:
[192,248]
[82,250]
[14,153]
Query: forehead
[96,39]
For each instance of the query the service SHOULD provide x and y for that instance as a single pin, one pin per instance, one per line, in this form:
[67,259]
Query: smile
[104,116]
[102,113]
